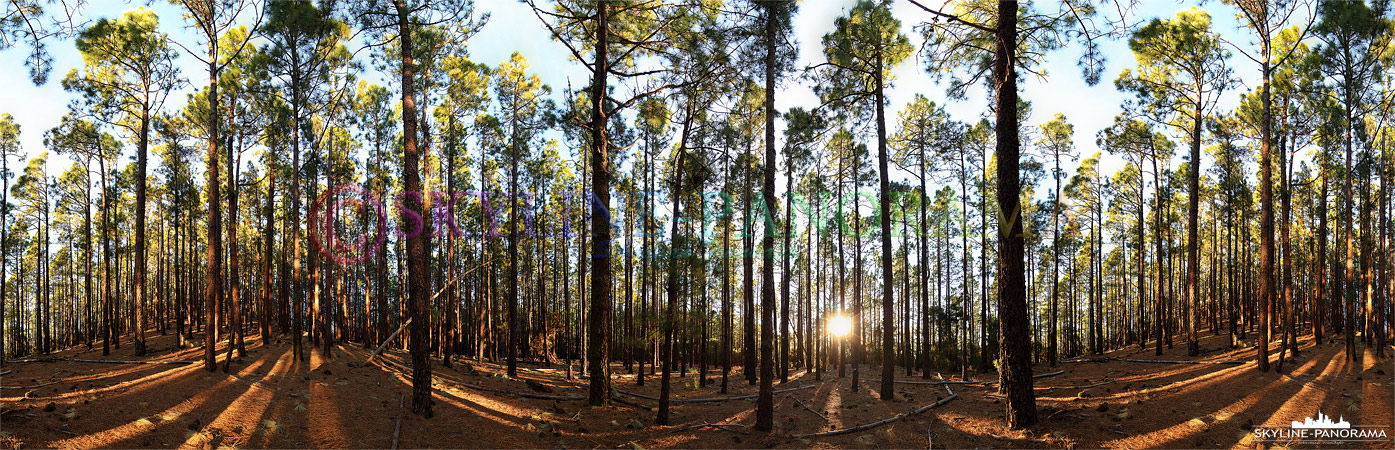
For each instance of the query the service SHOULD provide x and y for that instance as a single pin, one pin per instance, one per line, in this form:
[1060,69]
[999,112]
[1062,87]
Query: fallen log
[879,422]
[944,383]
[1063,411]
[515,393]
[713,399]
[941,383]
[719,426]
[42,385]
[632,394]
[100,361]
[636,405]
[397,429]
[1154,361]
[796,400]
[386,342]
[885,421]
[437,379]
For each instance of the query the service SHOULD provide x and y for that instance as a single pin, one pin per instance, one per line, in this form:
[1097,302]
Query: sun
[839,325]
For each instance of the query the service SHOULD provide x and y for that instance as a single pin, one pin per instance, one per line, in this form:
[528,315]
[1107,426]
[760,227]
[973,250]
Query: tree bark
[1012,301]
[598,350]
[418,244]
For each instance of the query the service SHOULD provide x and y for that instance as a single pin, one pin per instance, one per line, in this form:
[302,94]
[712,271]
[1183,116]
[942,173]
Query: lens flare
[839,325]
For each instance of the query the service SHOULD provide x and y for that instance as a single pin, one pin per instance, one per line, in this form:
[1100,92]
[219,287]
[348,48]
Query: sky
[514,28]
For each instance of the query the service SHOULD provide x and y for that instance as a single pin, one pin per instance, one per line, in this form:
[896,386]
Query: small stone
[1104,407]
[50,407]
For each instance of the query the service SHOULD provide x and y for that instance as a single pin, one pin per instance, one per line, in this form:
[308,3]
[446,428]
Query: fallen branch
[941,383]
[516,393]
[1063,411]
[1047,388]
[7,372]
[1155,361]
[719,426]
[622,401]
[713,399]
[100,361]
[387,341]
[879,422]
[1004,438]
[632,394]
[885,421]
[436,379]
[796,400]
[397,429]
[42,385]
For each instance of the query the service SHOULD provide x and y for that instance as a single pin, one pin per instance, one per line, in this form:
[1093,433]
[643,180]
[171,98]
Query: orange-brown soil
[268,400]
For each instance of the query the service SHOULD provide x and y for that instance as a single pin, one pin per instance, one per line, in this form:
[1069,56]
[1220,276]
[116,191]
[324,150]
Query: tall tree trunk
[513,338]
[598,341]
[668,322]
[86,257]
[214,289]
[267,258]
[765,403]
[1320,295]
[1051,339]
[5,253]
[1193,289]
[888,380]
[1159,293]
[1266,224]
[234,269]
[748,297]
[922,268]
[418,244]
[141,151]
[1012,302]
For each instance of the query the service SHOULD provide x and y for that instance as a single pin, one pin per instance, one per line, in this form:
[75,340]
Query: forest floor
[269,401]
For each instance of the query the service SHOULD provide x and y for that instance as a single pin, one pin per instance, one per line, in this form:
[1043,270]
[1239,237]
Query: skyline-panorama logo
[1323,421]
[1321,427]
